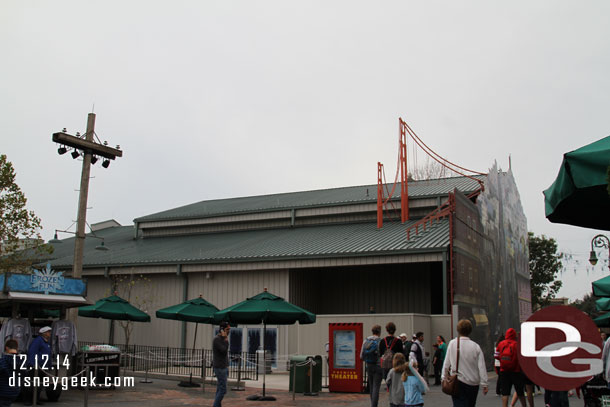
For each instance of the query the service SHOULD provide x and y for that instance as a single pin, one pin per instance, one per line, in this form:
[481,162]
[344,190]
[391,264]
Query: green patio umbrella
[601,287]
[603,320]
[603,304]
[196,310]
[265,308]
[114,308]
[579,195]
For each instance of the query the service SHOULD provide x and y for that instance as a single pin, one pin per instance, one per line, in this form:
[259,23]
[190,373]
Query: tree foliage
[20,242]
[545,264]
[137,290]
[429,169]
[587,305]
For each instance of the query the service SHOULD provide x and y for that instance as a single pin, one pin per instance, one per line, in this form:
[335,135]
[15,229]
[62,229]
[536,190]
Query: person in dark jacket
[8,393]
[39,356]
[437,362]
[220,362]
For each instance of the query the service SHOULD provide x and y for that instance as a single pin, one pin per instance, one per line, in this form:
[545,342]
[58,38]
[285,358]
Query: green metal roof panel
[255,245]
[323,197]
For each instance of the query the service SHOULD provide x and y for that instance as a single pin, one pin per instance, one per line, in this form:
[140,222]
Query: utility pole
[89,149]
[81,217]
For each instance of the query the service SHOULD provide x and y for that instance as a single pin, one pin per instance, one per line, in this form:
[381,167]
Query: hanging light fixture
[55,239]
[62,150]
[75,154]
[593,258]
[93,160]
[101,247]
[106,163]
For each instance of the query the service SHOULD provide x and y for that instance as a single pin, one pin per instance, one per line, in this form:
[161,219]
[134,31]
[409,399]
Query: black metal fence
[183,361]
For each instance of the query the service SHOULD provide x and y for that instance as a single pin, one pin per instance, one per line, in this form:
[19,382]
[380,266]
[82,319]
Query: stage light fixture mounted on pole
[88,147]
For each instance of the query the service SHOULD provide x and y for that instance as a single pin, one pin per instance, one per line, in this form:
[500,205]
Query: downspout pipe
[445,294]
[185,292]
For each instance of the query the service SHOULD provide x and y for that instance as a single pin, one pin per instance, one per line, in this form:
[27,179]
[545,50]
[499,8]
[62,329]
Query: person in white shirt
[471,371]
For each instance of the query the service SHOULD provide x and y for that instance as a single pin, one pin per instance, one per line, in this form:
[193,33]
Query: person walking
[388,347]
[220,362]
[394,380]
[471,372]
[510,371]
[369,353]
[414,387]
[497,364]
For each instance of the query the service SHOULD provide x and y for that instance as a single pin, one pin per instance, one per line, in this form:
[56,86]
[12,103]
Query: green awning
[603,304]
[603,320]
[601,287]
[579,195]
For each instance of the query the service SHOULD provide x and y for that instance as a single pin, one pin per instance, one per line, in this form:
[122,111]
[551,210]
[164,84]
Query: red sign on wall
[345,365]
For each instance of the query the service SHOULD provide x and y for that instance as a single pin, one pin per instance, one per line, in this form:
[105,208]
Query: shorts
[510,379]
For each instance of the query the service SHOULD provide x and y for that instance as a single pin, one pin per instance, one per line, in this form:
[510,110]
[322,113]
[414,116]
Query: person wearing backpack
[417,352]
[510,371]
[369,353]
[388,347]
[406,345]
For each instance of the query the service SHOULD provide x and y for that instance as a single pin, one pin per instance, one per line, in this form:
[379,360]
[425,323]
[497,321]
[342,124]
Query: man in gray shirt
[220,361]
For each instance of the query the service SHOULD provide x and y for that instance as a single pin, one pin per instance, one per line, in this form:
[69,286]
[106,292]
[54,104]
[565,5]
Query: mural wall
[490,260]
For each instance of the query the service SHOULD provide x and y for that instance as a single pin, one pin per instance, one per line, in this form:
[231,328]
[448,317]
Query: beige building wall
[162,291]
[227,288]
[94,329]
[224,289]
[311,339]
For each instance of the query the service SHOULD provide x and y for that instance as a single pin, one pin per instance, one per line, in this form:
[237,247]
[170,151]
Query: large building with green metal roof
[322,250]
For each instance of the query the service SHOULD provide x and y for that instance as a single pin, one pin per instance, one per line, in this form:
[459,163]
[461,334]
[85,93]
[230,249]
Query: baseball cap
[44,329]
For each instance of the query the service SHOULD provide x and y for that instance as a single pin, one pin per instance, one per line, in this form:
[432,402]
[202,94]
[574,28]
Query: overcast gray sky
[235,98]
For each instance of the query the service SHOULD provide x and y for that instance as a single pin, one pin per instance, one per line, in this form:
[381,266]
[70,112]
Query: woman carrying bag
[467,364]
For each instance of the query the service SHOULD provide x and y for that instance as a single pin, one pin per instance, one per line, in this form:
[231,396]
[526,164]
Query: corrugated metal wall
[95,329]
[405,287]
[227,288]
[401,288]
[162,291]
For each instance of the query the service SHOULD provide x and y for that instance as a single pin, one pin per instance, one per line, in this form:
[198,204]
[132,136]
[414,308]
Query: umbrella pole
[193,352]
[264,357]
[265,398]
[190,382]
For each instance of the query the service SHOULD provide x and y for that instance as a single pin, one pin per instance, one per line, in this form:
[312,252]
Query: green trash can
[301,382]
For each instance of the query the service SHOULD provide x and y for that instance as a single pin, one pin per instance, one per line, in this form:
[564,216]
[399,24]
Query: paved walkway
[166,393]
